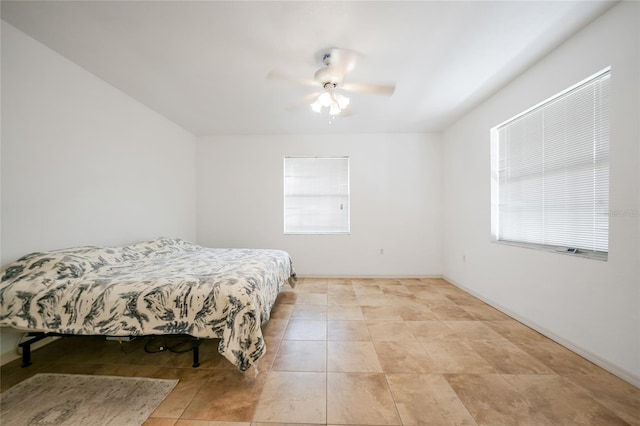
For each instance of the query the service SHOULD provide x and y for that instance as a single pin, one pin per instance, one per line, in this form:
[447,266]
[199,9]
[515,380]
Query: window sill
[599,255]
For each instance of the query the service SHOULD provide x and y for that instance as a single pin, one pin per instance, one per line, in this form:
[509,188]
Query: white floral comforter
[164,286]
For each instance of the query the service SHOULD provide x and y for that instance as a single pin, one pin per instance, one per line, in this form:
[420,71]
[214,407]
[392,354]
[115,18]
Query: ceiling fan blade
[382,89]
[304,102]
[346,112]
[278,75]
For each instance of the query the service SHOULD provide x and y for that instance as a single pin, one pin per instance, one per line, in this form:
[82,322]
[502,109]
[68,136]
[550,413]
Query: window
[316,195]
[550,172]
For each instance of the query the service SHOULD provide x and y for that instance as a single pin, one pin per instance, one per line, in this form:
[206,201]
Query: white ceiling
[204,64]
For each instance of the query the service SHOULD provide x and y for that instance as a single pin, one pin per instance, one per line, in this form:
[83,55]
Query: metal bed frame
[39,335]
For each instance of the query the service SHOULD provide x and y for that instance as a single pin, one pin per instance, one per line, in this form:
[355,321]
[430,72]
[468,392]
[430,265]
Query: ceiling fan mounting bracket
[326,59]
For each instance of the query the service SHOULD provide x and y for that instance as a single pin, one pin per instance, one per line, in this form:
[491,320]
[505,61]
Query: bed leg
[26,354]
[196,353]
[26,346]
[195,346]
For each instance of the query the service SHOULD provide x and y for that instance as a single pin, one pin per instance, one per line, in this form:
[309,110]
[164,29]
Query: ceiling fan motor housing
[329,77]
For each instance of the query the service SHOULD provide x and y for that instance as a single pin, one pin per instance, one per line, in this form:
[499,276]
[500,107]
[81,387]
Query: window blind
[316,195]
[551,171]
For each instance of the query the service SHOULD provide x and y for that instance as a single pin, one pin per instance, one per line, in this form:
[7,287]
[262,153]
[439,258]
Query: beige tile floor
[369,352]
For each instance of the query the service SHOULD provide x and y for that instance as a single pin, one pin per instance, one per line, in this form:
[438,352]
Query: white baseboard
[364,276]
[597,360]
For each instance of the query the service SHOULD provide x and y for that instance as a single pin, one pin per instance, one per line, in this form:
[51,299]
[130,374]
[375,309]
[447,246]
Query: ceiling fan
[330,79]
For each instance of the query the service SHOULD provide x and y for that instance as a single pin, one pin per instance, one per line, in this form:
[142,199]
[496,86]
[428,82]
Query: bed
[159,287]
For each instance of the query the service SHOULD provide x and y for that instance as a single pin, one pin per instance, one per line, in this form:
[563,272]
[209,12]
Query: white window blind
[550,171]
[316,195]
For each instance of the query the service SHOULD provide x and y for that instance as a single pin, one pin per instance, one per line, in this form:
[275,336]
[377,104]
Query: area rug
[74,399]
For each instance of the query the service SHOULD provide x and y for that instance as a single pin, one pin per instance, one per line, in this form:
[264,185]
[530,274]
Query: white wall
[395,201]
[82,163]
[590,306]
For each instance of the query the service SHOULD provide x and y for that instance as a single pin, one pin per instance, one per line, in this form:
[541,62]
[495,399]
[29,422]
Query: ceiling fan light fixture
[329,99]
[316,106]
[342,101]
[325,99]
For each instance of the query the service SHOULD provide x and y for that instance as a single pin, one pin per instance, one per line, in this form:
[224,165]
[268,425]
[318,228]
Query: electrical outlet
[381,251]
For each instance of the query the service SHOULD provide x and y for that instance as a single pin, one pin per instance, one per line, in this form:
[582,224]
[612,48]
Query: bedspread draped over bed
[164,286]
